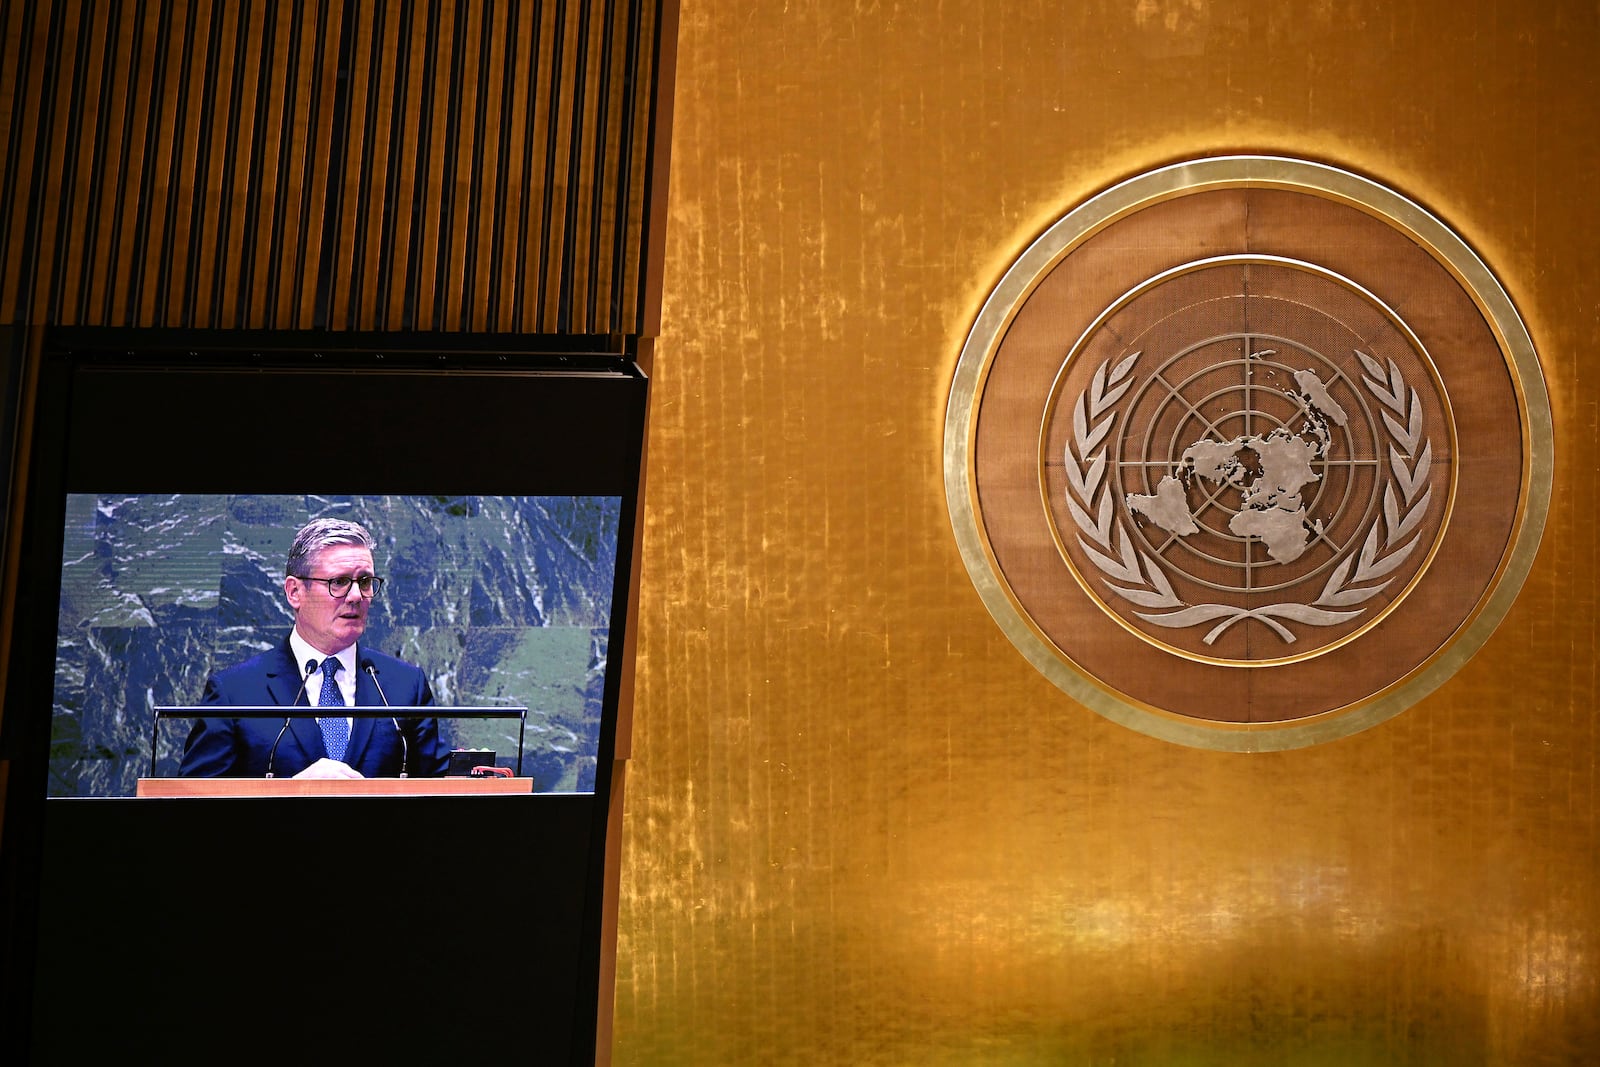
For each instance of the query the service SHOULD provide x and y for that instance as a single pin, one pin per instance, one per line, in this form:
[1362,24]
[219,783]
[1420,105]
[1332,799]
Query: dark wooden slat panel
[258,288]
[461,143]
[15,29]
[485,229]
[27,104]
[89,65]
[559,164]
[404,152]
[55,166]
[104,207]
[424,164]
[202,266]
[123,255]
[292,135]
[631,261]
[302,122]
[239,164]
[435,113]
[612,163]
[580,201]
[535,222]
[162,135]
[193,85]
[506,219]
[360,187]
[373,208]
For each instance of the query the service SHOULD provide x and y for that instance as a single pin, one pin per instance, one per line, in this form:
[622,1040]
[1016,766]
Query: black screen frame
[134,412]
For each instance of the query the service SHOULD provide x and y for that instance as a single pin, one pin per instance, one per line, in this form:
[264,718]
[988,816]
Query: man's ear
[293,590]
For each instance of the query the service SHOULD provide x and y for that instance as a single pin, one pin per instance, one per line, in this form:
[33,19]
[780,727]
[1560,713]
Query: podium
[332,787]
[151,786]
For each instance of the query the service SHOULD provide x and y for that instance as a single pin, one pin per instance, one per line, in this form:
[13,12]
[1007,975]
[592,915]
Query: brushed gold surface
[860,828]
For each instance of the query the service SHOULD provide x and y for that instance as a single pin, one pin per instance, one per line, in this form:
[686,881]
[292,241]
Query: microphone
[311,668]
[405,746]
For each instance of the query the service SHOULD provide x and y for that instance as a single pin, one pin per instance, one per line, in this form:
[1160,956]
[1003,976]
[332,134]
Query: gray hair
[318,534]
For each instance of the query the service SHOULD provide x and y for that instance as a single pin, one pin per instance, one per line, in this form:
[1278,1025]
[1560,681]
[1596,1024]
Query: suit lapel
[286,684]
[284,680]
[361,729]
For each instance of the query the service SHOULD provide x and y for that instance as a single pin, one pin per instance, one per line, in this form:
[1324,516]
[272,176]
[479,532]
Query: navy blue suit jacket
[241,747]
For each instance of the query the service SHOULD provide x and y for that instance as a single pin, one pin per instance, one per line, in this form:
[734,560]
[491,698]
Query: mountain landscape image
[502,601]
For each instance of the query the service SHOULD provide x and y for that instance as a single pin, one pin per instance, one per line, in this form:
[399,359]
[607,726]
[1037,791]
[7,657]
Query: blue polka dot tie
[335,730]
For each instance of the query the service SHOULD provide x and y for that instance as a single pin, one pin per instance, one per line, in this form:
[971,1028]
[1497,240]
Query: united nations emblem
[1259,469]
[1240,450]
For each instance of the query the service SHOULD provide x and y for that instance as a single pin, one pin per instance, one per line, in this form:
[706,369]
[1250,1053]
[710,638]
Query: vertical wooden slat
[322,70]
[174,136]
[580,200]
[291,129]
[510,198]
[603,245]
[584,147]
[536,214]
[201,262]
[460,157]
[163,134]
[128,249]
[356,189]
[55,127]
[262,218]
[100,261]
[27,43]
[240,168]
[298,257]
[369,209]
[194,80]
[565,99]
[14,16]
[633,256]
[90,60]
[408,95]
[439,93]
[486,186]
[319,66]
[382,204]
[432,113]
[289,126]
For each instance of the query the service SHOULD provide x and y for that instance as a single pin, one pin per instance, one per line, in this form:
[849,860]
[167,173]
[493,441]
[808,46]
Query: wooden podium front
[331,787]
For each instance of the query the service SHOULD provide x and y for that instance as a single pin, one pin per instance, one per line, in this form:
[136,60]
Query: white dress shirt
[346,675]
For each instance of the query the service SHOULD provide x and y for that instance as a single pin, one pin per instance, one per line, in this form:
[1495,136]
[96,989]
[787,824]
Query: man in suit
[330,584]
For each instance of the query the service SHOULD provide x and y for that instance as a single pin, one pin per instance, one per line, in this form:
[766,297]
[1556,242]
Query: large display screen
[503,601]
[163,490]
[166,496]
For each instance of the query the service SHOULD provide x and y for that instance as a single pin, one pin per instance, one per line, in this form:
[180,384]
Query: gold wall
[860,829]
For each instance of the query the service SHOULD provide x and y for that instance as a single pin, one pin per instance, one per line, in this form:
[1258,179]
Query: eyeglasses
[339,587]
